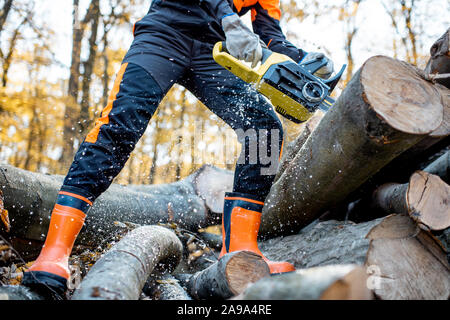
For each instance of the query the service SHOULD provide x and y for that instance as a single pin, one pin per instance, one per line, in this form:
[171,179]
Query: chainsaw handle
[266,53]
[237,67]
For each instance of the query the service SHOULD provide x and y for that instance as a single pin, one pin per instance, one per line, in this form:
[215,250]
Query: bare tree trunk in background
[352,29]
[179,164]
[12,46]
[85,119]
[71,113]
[4,13]
[407,14]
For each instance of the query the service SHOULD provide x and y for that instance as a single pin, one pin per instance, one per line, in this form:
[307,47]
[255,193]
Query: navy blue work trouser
[155,61]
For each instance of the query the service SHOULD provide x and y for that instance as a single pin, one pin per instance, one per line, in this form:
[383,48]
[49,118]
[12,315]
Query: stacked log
[426,198]
[402,260]
[378,116]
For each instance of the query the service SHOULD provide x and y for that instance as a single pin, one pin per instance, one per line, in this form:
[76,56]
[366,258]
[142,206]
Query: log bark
[18,293]
[228,277]
[439,62]
[426,199]
[440,167]
[166,287]
[378,116]
[121,273]
[404,261]
[29,198]
[335,282]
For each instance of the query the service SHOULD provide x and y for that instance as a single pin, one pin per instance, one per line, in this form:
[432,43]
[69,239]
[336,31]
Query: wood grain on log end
[407,262]
[244,268]
[428,198]
[228,277]
[399,96]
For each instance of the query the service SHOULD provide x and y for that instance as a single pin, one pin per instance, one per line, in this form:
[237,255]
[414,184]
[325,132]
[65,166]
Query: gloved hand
[241,42]
[326,71]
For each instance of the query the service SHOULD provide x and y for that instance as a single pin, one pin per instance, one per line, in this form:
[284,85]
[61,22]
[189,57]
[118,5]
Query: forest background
[58,61]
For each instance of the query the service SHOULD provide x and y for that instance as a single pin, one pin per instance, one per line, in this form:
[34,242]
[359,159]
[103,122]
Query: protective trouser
[153,64]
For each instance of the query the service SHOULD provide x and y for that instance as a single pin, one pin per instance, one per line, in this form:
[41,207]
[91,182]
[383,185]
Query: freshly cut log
[335,282]
[440,167]
[407,262]
[426,198]
[439,63]
[29,198]
[378,116]
[228,277]
[18,293]
[121,273]
[395,251]
[293,147]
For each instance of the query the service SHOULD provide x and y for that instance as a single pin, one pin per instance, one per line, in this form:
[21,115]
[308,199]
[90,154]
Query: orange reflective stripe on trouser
[104,119]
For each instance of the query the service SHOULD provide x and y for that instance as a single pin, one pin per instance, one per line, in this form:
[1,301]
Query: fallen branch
[166,287]
[121,273]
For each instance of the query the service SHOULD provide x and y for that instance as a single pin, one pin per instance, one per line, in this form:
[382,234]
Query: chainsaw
[293,89]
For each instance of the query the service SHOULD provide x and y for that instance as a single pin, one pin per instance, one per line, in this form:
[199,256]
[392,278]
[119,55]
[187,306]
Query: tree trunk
[228,277]
[193,203]
[334,282]
[378,116]
[404,261]
[121,273]
[425,198]
[4,13]
[88,66]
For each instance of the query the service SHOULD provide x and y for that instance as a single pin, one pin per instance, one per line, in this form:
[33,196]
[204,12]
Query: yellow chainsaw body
[283,104]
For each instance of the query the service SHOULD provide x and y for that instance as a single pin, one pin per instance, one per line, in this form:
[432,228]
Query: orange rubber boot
[240,225]
[51,269]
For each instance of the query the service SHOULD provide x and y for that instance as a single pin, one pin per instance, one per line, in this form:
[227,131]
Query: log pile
[360,206]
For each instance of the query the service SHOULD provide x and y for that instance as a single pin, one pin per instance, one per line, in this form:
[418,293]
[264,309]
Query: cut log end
[243,268]
[407,262]
[428,198]
[398,95]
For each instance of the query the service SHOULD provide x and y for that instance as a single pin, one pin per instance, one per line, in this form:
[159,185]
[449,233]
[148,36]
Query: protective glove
[241,42]
[326,71]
